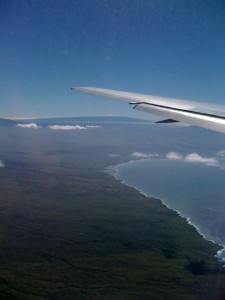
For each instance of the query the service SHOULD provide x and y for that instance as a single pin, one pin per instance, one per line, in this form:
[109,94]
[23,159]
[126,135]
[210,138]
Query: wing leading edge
[210,116]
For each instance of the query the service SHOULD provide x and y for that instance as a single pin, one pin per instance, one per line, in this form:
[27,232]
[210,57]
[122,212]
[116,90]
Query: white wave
[221,254]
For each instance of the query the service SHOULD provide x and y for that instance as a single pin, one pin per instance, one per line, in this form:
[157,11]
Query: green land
[69,230]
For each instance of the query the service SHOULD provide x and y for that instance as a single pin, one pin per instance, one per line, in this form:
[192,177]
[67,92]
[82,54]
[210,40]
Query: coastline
[113,171]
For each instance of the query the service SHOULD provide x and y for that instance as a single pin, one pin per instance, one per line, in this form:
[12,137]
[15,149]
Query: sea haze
[196,191]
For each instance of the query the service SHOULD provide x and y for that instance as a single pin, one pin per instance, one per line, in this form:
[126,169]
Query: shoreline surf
[114,172]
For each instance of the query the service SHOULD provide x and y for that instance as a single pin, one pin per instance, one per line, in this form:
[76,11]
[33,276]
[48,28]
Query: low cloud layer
[30,125]
[66,127]
[194,158]
[71,127]
[93,126]
[57,127]
[2,165]
[143,155]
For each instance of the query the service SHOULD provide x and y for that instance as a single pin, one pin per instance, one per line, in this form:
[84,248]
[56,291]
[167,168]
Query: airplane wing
[210,116]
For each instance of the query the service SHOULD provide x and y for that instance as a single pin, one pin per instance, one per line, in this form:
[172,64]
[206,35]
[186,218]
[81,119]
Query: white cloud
[196,158]
[174,156]
[66,127]
[144,155]
[93,126]
[2,165]
[71,127]
[30,125]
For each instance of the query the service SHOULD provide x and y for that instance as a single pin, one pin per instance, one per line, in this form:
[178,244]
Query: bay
[195,191]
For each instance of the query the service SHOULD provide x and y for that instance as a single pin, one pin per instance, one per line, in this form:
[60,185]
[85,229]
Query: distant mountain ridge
[72,120]
[7,122]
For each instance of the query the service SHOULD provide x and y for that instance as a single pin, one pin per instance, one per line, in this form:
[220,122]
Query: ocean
[195,191]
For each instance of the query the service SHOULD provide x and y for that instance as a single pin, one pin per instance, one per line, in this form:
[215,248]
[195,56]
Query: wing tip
[82,89]
[76,88]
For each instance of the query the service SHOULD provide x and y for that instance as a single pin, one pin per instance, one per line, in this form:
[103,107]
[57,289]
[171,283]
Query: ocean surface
[195,191]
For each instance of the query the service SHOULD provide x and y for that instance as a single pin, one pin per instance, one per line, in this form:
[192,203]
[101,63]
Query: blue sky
[168,48]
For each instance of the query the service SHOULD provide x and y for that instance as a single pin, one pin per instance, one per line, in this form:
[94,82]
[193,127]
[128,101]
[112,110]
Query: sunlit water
[195,191]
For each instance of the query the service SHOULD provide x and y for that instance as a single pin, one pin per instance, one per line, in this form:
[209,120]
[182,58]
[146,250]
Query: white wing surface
[210,116]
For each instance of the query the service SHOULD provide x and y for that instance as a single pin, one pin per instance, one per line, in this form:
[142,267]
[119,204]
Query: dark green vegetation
[70,231]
